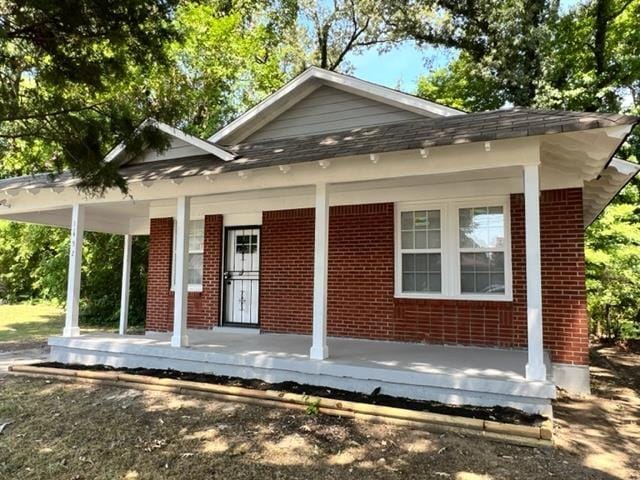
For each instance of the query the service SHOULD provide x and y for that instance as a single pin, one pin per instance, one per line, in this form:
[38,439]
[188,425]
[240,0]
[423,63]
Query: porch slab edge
[448,380]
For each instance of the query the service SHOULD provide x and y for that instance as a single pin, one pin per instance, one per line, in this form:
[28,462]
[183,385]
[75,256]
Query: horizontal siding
[178,149]
[330,110]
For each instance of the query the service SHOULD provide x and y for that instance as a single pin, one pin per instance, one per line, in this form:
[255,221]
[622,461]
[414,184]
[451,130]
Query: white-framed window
[455,249]
[421,251]
[481,245]
[196,253]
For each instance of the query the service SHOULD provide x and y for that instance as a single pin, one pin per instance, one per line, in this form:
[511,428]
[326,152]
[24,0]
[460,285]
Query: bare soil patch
[80,431]
[604,428]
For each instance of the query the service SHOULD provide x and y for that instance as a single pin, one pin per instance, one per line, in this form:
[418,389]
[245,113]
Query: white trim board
[204,145]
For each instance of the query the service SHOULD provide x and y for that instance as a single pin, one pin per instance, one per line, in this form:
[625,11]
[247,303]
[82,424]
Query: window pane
[467,283]
[482,272]
[434,260]
[420,229]
[420,220]
[421,272]
[481,227]
[195,269]
[408,282]
[433,217]
[435,282]
[407,239]
[408,260]
[433,237]
[406,220]
[196,235]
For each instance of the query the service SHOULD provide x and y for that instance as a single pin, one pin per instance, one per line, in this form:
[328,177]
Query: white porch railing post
[179,338]
[535,369]
[71,328]
[126,279]
[319,349]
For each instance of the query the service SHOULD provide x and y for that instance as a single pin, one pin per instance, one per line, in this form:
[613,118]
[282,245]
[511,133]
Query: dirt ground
[78,431]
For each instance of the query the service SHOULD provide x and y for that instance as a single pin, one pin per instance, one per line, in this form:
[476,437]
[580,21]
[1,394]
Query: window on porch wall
[421,251]
[196,252]
[481,231]
[453,250]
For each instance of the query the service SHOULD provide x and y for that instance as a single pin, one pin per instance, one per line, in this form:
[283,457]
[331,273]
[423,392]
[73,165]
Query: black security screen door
[241,276]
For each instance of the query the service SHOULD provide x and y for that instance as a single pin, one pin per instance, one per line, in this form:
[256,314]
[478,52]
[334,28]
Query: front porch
[448,374]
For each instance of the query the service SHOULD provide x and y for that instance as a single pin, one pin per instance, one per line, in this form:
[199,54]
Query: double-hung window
[196,252]
[482,250]
[453,250]
[421,251]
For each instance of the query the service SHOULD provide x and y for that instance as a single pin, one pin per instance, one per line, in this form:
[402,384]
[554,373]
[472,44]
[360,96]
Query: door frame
[223,263]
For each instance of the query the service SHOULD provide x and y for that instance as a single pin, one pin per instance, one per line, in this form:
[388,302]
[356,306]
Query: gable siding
[330,110]
[177,149]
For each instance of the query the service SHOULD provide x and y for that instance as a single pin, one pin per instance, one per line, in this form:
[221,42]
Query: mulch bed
[496,413]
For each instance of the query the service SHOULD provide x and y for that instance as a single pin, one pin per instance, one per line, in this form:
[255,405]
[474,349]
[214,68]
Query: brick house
[344,234]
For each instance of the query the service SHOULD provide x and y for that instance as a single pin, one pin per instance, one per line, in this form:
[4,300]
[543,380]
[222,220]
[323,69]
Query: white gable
[328,109]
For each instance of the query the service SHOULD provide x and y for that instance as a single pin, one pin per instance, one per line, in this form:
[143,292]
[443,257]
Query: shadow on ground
[66,430]
[604,428]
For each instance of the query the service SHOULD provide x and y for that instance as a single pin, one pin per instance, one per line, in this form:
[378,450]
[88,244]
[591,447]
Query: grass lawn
[28,325]
[82,431]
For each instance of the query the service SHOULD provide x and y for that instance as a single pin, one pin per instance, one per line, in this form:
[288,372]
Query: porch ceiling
[118,217]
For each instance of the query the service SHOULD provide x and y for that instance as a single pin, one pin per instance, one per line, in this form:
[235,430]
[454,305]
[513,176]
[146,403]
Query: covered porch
[435,176]
[448,374]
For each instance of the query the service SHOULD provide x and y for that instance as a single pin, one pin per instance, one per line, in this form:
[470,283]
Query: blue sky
[400,67]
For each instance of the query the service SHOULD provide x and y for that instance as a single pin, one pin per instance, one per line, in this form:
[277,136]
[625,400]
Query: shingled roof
[457,129]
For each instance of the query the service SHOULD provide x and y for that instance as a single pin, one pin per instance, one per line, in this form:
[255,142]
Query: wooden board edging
[534,436]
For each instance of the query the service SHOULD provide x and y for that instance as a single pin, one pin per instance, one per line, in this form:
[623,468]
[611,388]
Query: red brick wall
[361,282]
[203,310]
[159,275]
[564,303]
[286,271]
[361,262]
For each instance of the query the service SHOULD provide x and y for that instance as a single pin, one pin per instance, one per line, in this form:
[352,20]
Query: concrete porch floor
[449,374]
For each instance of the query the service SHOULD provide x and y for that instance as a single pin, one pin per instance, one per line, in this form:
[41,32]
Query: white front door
[241,276]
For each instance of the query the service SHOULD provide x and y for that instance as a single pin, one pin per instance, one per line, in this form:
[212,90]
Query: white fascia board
[599,192]
[624,167]
[205,145]
[342,82]
[384,94]
[442,160]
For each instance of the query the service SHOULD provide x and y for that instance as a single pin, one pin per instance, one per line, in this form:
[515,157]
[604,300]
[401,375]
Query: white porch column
[179,338]
[71,328]
[126,279]
[319,350]
[535,366]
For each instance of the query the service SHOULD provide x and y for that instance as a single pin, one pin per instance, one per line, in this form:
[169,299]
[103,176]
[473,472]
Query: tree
[61,62]
[500,42]
[330,31]
[589,60]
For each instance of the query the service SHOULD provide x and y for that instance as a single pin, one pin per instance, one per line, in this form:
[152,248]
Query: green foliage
[33,265]
[589,59]
[613,268]
[63,67]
